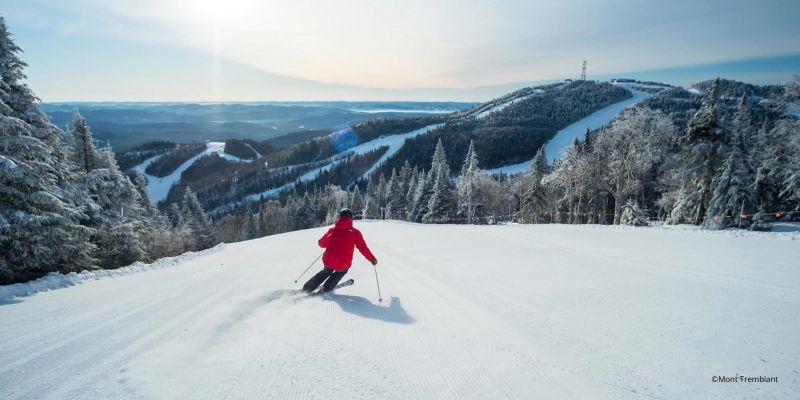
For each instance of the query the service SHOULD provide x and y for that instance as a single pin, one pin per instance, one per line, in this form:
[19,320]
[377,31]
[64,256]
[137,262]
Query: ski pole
[380,298]
[309,267]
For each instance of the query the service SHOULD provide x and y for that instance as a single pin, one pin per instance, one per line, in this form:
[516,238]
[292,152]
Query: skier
[338,243]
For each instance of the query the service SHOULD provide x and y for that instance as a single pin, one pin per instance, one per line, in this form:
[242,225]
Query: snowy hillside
[565,137]
[158,188]
[511,312]
[393,143]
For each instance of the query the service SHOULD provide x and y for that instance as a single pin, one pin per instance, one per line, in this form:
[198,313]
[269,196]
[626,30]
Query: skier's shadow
[362,307]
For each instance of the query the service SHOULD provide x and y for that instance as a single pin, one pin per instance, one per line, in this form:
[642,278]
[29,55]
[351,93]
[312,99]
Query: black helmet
[346,212]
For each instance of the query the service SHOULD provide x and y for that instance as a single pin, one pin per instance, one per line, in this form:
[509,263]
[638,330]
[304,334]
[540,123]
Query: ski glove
[374,261]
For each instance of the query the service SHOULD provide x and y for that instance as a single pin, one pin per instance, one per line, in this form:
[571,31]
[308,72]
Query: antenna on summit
[583,72]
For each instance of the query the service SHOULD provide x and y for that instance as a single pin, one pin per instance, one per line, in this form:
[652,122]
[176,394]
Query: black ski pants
[327,275]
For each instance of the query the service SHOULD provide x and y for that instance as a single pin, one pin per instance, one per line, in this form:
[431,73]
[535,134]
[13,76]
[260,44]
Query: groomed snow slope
[492,312]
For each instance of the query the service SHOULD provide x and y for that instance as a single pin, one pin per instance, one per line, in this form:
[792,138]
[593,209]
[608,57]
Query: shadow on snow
[394,313]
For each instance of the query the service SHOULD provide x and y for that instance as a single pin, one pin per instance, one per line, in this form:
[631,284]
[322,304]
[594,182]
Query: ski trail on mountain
[556,146]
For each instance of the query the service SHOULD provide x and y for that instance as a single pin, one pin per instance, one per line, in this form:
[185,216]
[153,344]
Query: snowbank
[56,280]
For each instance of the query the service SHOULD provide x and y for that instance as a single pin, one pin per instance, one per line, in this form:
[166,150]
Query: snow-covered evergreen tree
[305,213]
[633,215]
[534,197]
[443,202]
[40,230]
[405,176]
[16,99]
[249,225]
[396,207]
[743,122]
[465,189]
[381,191]
[40,213]
[195,219]
[704,141]
[422,195]
[371,209]
[761,220]
[410,190]
[116,212]
[175,216]
[83,144]
[356,202]
[732,190]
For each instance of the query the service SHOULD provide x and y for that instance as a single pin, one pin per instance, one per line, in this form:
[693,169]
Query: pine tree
[442,204]
[410,190]
[732,190]
[16,99]
[248,228]
[118,217]
[396,208]
[534,196]
[588,141]
[84,149]
[356,201]
[175,216]
[465,188]
[381,191]
[305,213]
[257,232]
[40,213]
[371,209]
[405,176]
[704,139]
[422,196]
[743,121]
[196,220]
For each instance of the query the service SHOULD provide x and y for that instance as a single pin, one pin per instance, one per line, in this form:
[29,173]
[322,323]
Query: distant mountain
[125,125]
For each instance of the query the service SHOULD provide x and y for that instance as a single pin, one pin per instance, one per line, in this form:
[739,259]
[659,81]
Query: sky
[426,50]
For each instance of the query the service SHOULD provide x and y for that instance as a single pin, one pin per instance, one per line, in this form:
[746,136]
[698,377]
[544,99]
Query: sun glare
[217,11]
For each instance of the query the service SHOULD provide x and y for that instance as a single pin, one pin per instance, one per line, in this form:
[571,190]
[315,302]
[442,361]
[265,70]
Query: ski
[339,286]
[317,293]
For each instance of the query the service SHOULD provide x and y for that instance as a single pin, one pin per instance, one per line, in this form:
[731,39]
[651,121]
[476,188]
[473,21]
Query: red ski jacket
[338,243]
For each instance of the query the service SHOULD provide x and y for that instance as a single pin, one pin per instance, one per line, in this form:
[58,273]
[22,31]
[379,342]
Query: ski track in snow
[159,187]
[564,138]
[502,106]
[550,312]
[258,155]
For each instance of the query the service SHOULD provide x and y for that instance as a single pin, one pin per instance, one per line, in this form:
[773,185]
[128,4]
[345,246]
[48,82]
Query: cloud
[412,44]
